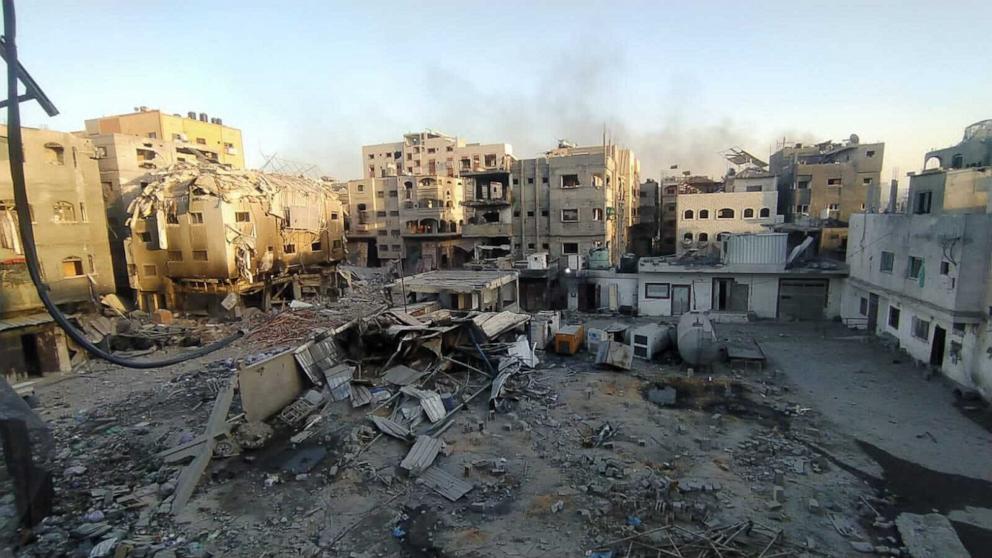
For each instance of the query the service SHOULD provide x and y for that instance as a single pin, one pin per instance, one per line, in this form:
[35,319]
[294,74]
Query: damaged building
[921,278]
[433,153]
[204,236]
[70,229]
[748,203]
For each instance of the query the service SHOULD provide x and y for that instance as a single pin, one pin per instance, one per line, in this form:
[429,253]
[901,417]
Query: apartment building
[416,219]
[70,229]
[430,153]
[219,143]
[828,181]
[922,278]
[671,187]
[574,200]
[645,231]
[748,203]
[208,239]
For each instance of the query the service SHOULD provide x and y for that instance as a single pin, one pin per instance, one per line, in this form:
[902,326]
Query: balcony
[472,230]
[486,202]
[430,227]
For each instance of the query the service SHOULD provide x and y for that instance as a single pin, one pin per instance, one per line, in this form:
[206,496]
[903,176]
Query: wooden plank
[190,476]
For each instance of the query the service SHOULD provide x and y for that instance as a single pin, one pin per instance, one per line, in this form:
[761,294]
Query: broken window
[334,216]
[657,290]
[870,153]
[530,213]
[200,255]
[63,212]
[833,207]
[688,214]
[803,183]
[749,213]
[765,212]
[893,317]
[921,328]
[72,267]
[833,182]
[544,213]
[922,202]
[289,249]
[915,268]
[687,237]
[886,262]
[466,163]
[196,218]
[315,246]
[54,154]
[597,214]
[945,267]
[569,215]
[802,208]
[570,248]
[569,181]
[490,160]
[171,218]
[175,255]
[725,213]
[863,306]
[201,141]
[242,216]
[149,270]
[380,194]
[866,181]
[703,237]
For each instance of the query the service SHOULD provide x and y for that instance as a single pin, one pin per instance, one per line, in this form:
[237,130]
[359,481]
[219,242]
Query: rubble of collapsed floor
[419,431]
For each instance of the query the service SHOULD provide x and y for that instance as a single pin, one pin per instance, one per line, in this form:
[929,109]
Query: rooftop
[458,281]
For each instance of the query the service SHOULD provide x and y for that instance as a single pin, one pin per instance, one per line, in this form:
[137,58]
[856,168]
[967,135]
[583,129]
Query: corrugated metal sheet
[25,321]
[429,400]
[421,455]
[493,324]
[360,395]
[339,381]
[445,484]
[764,248]
[402,375]
[390,428]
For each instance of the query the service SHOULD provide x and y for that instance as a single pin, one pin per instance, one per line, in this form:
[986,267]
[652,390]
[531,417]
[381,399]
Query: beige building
[433,154]
[219,143]
[416,219]
[671,188]
[748,204]
[201,232]
[70,229]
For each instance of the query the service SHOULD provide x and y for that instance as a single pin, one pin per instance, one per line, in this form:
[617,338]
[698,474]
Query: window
[866,181]
[570,248]
[449,148]
[921,328]
[802,208]
[149,270]
[371,156]
[922,202]
[175,255]
[544,213]
[752,188]
[380,194]
[360,188]
[725,213]
[765,212]
[145,236]
[196,218]
[945,267]
[395,232]
[171,218]
[92,264]
[54,154]
[863,307]
[516,181]
[394,213]
[63,212]
[544,180]
[315,246]
[886,262]
[242,216]
[72,267]
[570,215]
[833,182]
[915,268]
[516,213]
[597,214]
[530,180]
[201,141]
[687,237]
[570,181]
[531,245]
[657,290]
[545,245]
[380,213]
[396,247]
[289,249]
[200,255]
[802,184]
[704,213]
[382,233]
[703,237]
[530,213]
[749,213]
[893,317]
[687,214]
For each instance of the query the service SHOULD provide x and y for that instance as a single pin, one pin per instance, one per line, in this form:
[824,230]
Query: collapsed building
[67,215]
[204,237]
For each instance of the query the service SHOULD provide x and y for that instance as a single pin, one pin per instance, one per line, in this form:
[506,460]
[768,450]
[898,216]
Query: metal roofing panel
[445,484]
[25,321]
[390,428]
[421,455]
[402,375]
[429,400]
[360,395]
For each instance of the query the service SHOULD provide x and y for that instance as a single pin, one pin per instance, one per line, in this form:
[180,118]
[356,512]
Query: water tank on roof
[854,139]
[628,263]
[599,259]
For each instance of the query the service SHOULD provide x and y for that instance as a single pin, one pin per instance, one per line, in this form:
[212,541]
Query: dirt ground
[821,448]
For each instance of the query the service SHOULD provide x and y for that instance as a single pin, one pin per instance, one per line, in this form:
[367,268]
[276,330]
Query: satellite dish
[855,139]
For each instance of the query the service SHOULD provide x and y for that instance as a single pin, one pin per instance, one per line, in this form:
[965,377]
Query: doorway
[29,352]
[729,295]
[937,348]
[680,299]
[872,312]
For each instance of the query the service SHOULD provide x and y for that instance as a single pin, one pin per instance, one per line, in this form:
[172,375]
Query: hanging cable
[16,156]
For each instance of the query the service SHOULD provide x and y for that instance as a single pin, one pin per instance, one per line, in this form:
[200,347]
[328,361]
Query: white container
[648,340]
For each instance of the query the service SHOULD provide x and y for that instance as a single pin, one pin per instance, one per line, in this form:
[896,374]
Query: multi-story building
[70,230]
[671,187]
[219,143]
[433,154]
[201,232]
[923,278]
[748,204]
[828,181]
[645,232]
[575,200]
[416,219]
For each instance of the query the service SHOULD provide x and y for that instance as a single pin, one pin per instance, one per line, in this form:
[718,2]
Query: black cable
[16,154]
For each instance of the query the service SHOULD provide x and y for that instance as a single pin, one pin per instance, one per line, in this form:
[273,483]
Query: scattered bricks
[862,546]
[557,506]
[814,506]
[778,493]
[162,317]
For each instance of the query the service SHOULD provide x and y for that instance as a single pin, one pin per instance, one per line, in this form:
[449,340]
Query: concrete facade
[219,143]
[671,187]
[828,181]
[434,154]
[645,232]
[70,229]
[749,205]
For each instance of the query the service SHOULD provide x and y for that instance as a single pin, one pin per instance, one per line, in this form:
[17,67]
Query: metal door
[680,299]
